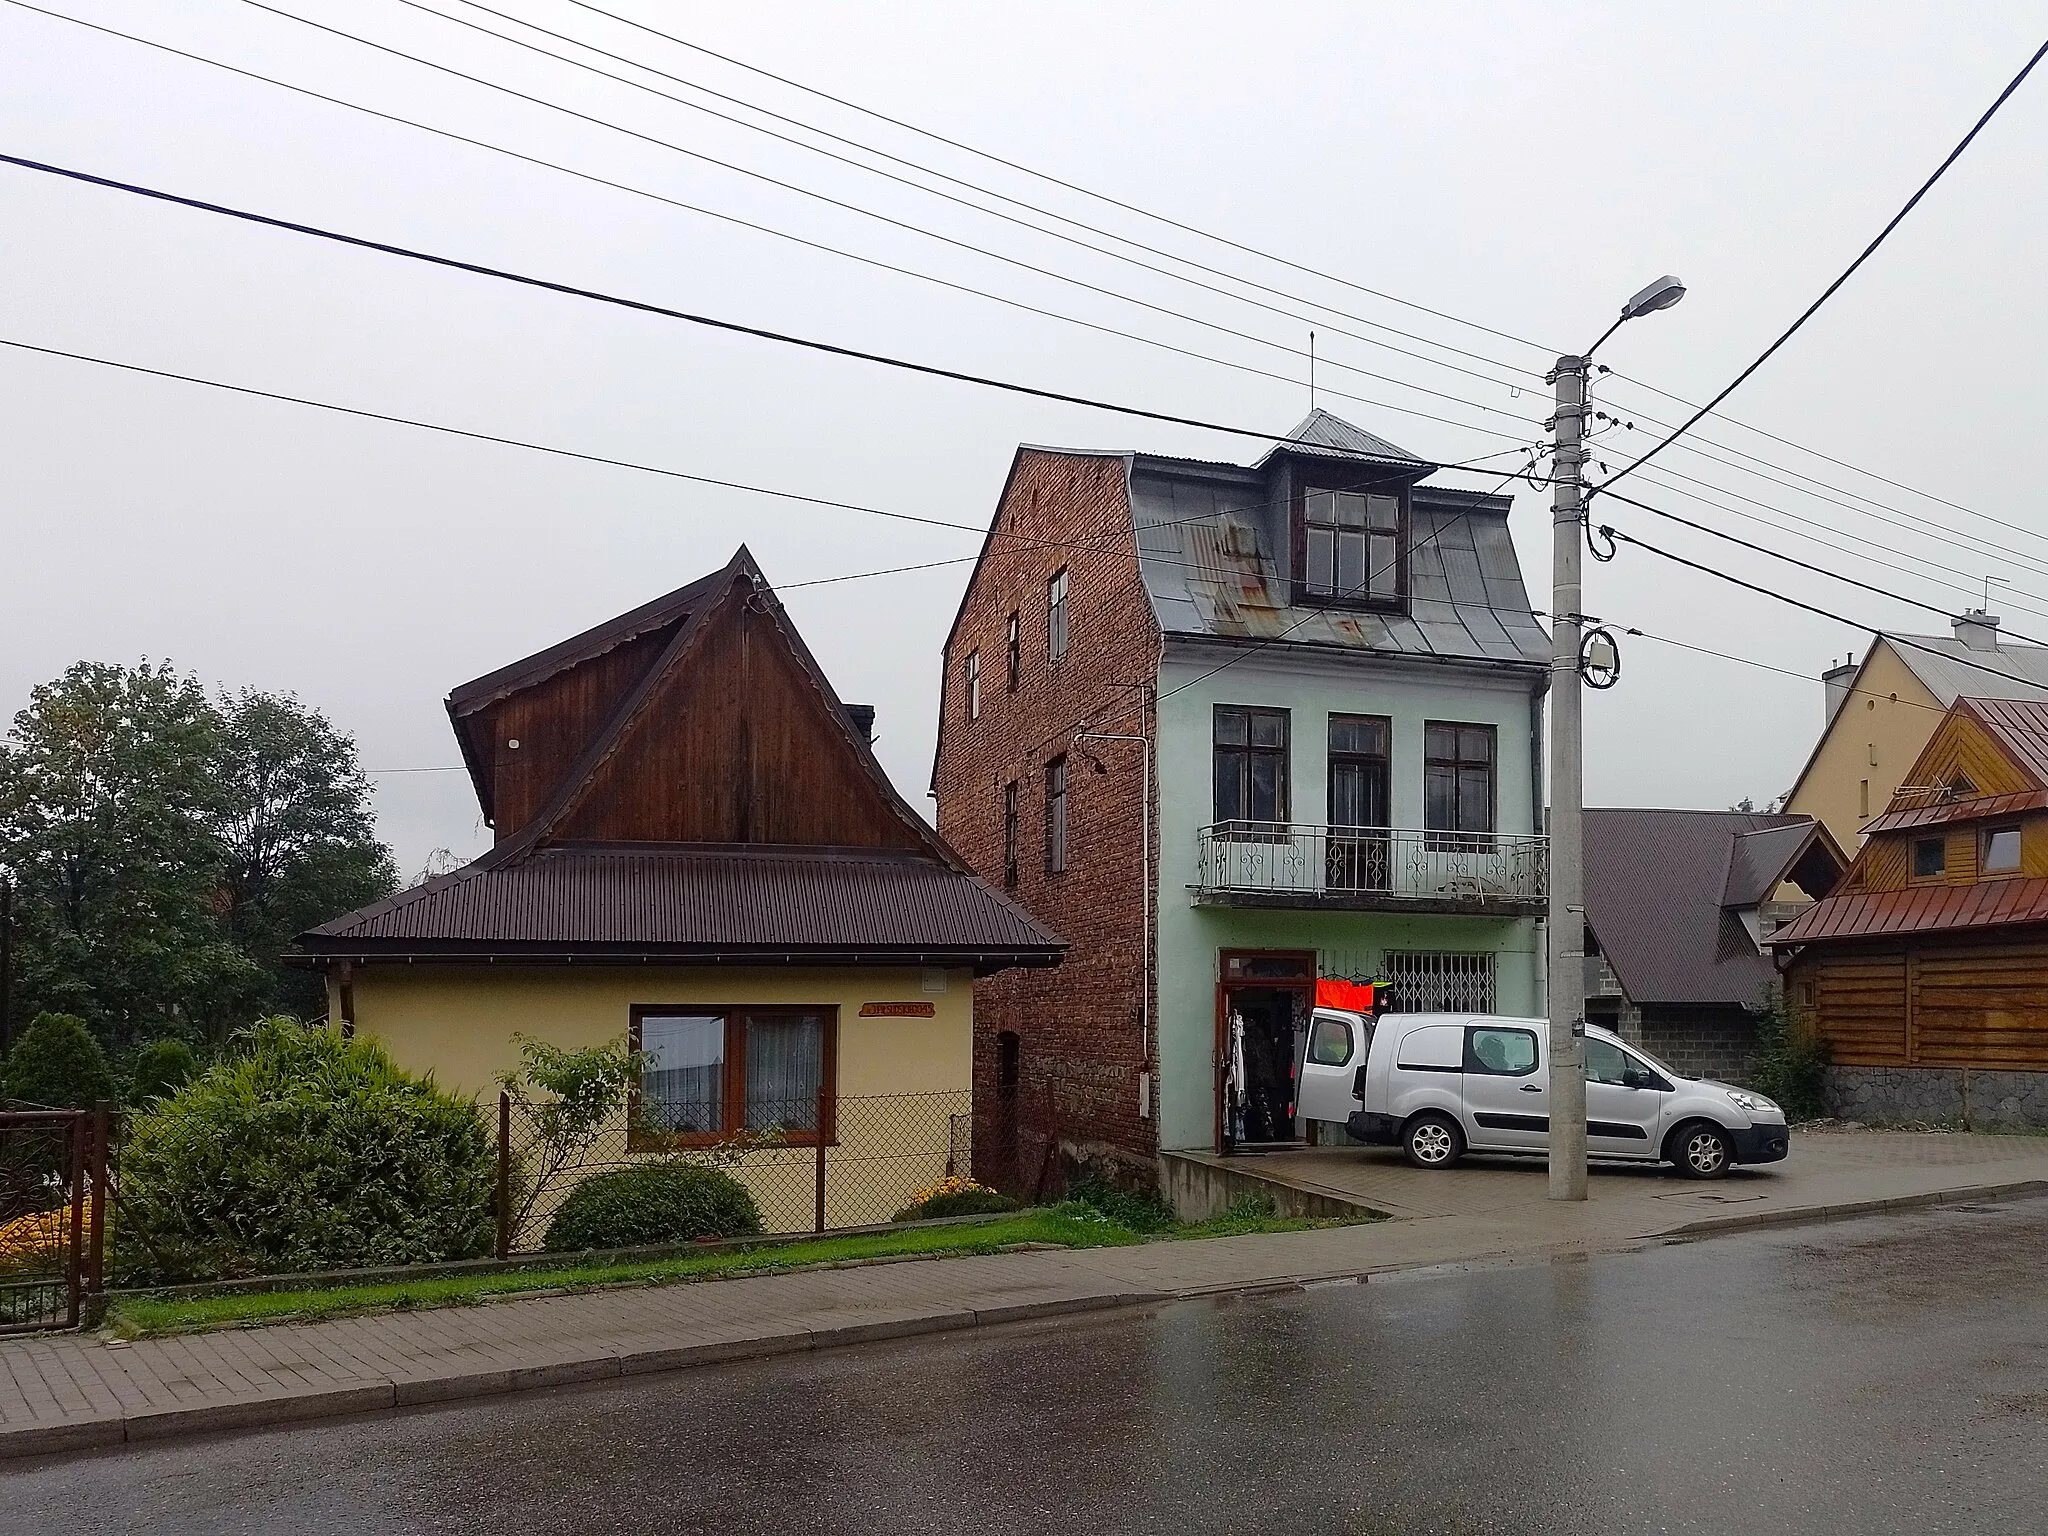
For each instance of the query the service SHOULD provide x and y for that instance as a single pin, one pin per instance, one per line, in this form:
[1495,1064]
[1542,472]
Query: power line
[1100,197]
[1828,293]
[766,229]
[869,213]
[927,170]
[644,307]
[1892,636]
[1911,602]
[677,474]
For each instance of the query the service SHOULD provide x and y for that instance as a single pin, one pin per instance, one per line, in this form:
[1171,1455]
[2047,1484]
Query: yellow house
[697,852]
[1883,710]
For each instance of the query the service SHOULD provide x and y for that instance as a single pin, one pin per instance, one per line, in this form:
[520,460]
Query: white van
[1439,1085]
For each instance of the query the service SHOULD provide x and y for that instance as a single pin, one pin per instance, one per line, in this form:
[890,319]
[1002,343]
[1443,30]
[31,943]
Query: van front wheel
[1433,1141]
[1700,1150]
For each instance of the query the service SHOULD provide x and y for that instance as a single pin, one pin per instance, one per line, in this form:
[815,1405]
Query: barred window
[1429,981]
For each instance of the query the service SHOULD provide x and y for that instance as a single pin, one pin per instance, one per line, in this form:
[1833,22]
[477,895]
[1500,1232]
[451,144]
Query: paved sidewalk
[65,1392]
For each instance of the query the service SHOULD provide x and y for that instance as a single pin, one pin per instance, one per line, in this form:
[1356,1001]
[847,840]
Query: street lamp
[1568,663]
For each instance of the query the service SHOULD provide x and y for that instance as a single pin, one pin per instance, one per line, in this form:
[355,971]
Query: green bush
[966,1202]
[56,1063]
[305,1151]
[1791,1065]
[162,1067]
[669,1201]
[1141,1212]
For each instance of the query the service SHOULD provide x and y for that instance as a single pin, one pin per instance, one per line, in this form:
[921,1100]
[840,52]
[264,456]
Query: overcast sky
[1524,167]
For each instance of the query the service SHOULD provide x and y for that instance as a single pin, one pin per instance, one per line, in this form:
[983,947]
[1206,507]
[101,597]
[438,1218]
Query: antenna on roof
[1988,580]
[1312,376]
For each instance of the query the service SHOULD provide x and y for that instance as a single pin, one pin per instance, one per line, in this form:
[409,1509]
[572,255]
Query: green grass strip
[134,1317]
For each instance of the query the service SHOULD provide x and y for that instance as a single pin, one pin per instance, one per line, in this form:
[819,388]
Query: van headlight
[1753,1103]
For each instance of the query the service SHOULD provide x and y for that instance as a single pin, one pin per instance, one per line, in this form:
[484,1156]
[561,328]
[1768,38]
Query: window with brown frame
[711,1073]
[1249,759]
[973,674]
[1056,616]
[1457,780]
[1013,651]
[1010,834]
[1056,816]
[1930,858]
[1351,546]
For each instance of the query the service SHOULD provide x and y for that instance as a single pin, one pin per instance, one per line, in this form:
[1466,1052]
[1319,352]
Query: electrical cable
[1969,586]
[734,219]
[643,307]
[870,213]
[1829,292]
[1100,197]
[1893,636]
[1911,602]
[420,5]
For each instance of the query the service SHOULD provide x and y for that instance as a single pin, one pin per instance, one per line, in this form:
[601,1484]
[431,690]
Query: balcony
[1370,869]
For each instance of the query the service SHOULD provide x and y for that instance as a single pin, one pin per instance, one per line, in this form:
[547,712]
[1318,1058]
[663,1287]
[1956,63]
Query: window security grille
[1426,981]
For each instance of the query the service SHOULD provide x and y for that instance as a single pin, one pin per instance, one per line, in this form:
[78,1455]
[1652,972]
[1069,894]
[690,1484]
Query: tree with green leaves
[164,849]
[56,1064]
[296,836]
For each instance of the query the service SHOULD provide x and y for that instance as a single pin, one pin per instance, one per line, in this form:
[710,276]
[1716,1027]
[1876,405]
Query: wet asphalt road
[1885,1375]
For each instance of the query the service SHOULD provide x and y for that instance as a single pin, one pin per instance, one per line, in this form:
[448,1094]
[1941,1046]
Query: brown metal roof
[698,903]
[1959,810]
[1917,909]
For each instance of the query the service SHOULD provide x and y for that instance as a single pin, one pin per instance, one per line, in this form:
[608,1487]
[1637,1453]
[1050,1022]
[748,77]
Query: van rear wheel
[1700,1150]
[1433,1141]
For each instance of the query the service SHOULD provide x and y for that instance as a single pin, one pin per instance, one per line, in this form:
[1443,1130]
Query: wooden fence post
[504,1244]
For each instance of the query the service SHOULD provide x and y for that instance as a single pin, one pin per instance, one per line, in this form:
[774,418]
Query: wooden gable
[715,728]
[1961,751]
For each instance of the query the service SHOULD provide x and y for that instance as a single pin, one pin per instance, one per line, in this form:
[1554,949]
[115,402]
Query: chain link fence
[871,1158]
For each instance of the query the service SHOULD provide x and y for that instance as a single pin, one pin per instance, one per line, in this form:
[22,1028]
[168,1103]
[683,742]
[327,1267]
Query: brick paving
[66,1391]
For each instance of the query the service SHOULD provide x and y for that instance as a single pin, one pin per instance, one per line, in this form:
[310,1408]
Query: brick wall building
[1058,1055]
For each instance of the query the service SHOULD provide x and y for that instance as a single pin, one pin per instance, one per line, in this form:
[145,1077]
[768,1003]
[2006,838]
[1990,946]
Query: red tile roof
[1917,909]
[1959,810]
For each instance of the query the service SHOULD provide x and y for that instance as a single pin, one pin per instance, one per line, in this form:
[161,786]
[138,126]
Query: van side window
[1500,1052]
[1330,1043]
[1606,1063]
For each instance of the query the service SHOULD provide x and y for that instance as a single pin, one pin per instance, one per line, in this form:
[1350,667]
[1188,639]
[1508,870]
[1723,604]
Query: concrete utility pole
[1567,945]
[1566,928]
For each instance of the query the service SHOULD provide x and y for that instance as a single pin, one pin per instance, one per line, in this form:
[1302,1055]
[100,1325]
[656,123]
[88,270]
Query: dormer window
[1352,546]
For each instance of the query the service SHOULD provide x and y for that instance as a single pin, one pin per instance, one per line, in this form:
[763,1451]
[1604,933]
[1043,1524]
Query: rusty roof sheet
[697,901]
[1917,909]
[1978,809]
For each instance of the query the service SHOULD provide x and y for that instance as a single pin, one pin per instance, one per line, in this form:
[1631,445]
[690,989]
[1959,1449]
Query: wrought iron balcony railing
[1287,863]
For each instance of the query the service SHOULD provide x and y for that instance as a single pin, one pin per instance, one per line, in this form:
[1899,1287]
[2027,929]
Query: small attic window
[1351,544]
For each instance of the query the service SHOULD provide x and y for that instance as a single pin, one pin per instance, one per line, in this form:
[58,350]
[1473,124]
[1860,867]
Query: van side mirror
[1636,1078]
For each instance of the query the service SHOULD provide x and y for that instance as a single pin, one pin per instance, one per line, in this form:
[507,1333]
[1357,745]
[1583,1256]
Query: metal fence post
[96,1173]
[824,1129]
[504,1244]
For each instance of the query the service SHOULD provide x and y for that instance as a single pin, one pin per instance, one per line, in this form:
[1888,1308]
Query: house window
[1010,833]
[1056,617]
[709,1074]
[1358,770]
[1424,981]
[2001,850]
[1457,777]
[1930,857]
[973,670]
[1013,652]
[1056,816]
[1251,765]
[1353,545]
[1863,798]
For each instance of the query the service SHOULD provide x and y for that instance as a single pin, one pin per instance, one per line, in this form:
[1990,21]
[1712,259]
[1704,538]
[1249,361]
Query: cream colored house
[1883,710]
[698,853]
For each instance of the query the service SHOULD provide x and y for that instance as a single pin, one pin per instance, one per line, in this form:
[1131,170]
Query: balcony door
[1359,853]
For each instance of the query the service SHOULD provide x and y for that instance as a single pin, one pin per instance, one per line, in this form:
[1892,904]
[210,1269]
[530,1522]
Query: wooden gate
[52,1175]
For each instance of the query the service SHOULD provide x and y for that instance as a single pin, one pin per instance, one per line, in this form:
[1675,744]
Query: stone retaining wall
[1970,1097]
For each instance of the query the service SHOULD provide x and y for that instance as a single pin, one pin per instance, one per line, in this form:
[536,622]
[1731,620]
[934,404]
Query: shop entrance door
[1263,1003]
